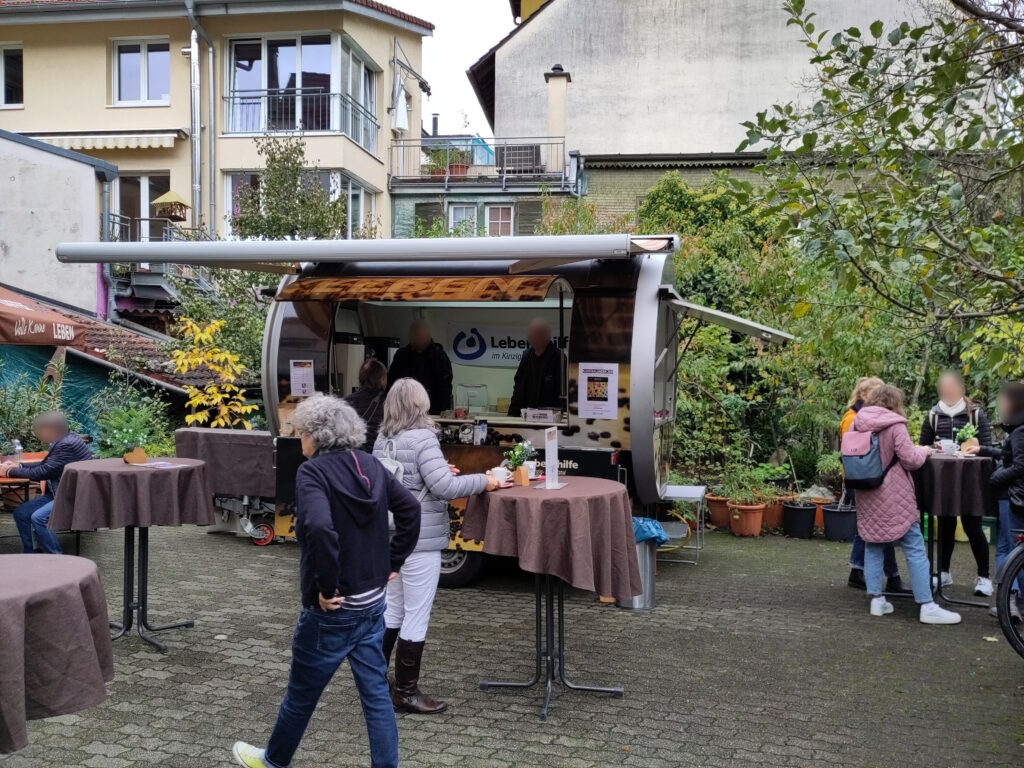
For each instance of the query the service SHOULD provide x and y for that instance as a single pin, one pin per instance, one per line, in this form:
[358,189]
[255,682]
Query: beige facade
[72,94]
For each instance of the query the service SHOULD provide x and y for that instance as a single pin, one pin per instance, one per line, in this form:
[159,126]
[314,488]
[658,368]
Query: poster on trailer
[599,391]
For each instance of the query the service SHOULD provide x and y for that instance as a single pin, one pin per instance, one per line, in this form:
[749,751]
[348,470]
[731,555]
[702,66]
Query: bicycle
[1009,576]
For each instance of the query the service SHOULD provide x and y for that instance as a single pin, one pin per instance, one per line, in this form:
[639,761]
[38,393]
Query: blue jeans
[917,563]
[889,555]
[1009,521]
[322,641]
[32,517]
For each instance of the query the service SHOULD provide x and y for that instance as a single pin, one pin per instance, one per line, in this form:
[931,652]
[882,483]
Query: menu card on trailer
[551,460]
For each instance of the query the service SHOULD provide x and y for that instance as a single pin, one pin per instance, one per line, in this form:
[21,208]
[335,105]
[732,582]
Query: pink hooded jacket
[886,513]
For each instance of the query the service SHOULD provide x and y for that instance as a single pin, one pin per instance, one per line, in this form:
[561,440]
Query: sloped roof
[372,5]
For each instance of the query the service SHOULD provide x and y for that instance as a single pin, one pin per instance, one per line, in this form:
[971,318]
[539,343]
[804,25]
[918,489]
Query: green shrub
[131,416]
[20,402]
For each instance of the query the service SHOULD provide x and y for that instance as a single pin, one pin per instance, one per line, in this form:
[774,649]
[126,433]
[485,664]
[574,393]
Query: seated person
[426,361]
[368,400]
[538,382]
[32,517]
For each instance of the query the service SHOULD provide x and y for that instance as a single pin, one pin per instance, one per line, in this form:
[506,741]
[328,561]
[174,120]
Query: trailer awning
[724,319]
[436,288]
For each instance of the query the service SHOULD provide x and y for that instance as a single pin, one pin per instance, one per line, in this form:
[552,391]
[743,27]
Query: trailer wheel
[459,568]
[264,534]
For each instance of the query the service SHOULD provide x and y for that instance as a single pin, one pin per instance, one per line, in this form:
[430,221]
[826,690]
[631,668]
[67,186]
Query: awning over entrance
[159,139]
[511,288]
[23,321]
[724,319]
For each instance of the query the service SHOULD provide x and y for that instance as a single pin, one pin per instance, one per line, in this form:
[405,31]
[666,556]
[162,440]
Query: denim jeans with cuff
[917,563]
[322,641]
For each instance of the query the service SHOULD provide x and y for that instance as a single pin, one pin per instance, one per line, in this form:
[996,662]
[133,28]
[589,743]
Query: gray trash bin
[646,553]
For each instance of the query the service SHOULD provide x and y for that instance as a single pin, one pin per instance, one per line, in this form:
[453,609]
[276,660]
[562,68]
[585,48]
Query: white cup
[948,447]
[501,474]
[531,468]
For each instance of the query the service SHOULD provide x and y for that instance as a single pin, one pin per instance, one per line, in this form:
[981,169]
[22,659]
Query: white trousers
[411,596]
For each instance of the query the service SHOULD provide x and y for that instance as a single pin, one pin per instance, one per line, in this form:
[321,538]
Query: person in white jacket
[408,436]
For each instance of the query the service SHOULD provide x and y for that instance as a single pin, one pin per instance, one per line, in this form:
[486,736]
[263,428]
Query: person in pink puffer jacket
[888,513]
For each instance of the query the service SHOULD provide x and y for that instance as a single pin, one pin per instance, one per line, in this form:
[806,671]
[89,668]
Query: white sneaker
[880,606]
[983,587]
[947,580]
[248,755]
[931,613]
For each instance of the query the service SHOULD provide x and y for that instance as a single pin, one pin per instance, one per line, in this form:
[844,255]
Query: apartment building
[173,92]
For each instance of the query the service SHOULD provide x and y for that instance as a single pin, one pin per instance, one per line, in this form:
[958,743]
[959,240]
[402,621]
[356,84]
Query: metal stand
[139,604]
[552,655]
[935,547]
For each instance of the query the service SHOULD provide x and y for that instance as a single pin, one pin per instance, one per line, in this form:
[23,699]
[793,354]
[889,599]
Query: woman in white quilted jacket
[408,435]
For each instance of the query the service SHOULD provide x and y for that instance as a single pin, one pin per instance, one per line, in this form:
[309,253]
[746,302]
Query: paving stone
[758,656]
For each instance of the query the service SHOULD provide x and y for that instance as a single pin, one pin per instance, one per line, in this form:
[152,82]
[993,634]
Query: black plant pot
[798,519]
[840,521]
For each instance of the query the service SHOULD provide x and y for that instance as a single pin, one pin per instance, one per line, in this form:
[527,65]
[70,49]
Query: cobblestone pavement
[758,656]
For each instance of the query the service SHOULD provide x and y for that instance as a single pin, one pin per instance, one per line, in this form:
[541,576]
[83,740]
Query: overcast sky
[464,30]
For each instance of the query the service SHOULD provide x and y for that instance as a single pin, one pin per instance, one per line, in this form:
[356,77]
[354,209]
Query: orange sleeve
[847,421]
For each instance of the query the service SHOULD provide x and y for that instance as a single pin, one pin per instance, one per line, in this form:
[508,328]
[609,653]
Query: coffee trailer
[610,300]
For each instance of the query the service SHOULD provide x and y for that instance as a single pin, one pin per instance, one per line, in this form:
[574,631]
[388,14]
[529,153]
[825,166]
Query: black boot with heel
[407,696]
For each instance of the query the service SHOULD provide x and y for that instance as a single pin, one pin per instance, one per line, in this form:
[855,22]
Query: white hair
[329,422]
[406,407]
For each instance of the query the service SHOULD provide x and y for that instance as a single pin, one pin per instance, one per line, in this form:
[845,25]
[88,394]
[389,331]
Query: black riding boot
[388,644]
[407,696]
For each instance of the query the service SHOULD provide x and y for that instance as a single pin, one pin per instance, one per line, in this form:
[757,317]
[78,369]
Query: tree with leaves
[903,176]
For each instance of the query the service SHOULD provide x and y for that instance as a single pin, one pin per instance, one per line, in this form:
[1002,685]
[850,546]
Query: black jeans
[975,534]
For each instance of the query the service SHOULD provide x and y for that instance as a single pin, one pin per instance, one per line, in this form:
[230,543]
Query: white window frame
[511,220]
[144,202]
[263,39]
[4,47]
[451,215]
[143,43]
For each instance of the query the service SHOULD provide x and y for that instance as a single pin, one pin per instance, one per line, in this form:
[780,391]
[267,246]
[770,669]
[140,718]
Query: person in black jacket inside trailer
[954,411]
[426,361]
[368,399]
[538,382]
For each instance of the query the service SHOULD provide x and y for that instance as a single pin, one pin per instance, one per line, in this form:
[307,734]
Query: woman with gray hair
[343,496]
[408,436]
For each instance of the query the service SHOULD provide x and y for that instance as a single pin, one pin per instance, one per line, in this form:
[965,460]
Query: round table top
[56,653]
[110,493]
[581,533]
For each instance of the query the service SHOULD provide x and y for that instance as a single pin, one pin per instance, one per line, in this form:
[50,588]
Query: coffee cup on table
[948,447]
[501,474]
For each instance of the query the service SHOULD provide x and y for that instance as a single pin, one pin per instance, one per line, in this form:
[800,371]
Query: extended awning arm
[724,319]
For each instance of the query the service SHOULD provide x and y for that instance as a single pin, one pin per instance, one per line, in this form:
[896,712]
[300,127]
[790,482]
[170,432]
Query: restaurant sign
[495,346]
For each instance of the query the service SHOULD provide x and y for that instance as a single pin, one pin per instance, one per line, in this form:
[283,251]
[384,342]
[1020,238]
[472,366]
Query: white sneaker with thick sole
[947,580]
[880,606]
[248,755]
[931,613]
[983,587]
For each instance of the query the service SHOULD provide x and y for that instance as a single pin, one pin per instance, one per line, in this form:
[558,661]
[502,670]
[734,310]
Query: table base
[138,605]
[934,556]
[548,654]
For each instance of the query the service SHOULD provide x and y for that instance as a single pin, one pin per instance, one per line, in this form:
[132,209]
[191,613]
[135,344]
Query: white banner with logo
[495,346]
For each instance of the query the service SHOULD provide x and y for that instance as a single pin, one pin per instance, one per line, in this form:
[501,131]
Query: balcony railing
[141,230]
[501,161]
[300,109]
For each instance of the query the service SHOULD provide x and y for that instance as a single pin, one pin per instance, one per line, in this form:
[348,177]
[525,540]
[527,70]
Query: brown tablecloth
[55,653]
[950,486]
[583,533]
[238,462]
[107,493]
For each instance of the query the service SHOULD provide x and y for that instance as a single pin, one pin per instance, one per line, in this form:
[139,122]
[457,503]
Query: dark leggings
[947,540]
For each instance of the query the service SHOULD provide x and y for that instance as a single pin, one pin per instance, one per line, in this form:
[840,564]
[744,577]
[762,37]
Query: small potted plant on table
[517,456]
[967,436]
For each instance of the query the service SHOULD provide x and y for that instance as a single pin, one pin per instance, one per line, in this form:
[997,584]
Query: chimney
[558,91]
[434,127]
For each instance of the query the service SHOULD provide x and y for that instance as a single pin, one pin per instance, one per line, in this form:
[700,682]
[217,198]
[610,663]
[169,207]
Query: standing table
[56,656]
[951,486]
[108,493]
[581,535]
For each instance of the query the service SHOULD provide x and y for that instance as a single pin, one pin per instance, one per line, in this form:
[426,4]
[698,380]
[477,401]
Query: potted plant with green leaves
[774,483]
[459,161]
[437,161]
[967,436]
[517,458]
[746,505]
[718,506]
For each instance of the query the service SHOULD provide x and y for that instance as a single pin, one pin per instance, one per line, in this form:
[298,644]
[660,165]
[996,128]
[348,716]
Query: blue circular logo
[469,347]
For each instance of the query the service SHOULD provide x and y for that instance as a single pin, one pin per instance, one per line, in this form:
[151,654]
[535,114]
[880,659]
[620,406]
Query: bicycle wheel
[1010,575]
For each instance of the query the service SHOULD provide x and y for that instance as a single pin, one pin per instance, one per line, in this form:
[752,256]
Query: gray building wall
[662,76]
[47,199]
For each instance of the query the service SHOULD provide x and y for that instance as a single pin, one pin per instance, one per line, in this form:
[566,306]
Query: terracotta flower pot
[771,519]
[819,512]
[718,511]
[135,456]
[458,169]
[746,518]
